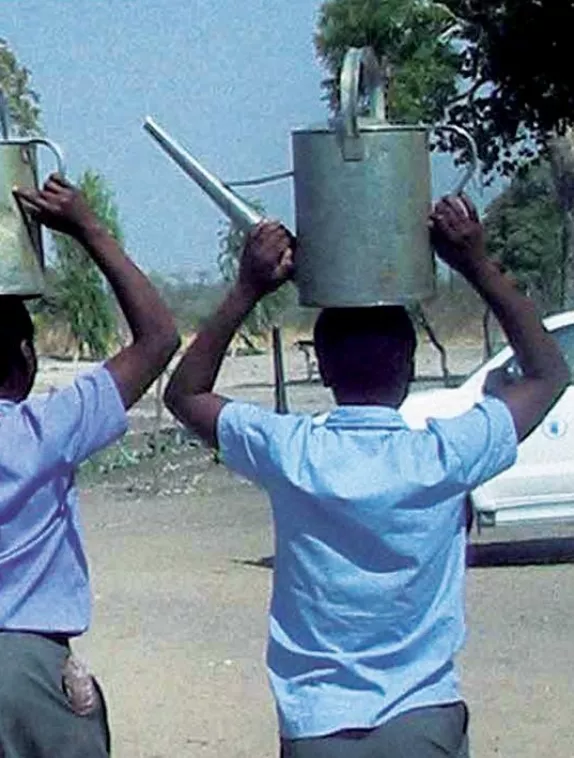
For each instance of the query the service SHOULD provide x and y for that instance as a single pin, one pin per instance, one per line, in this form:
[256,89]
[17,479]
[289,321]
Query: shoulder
[253,440]
[245,417]
[95,387]
[77,417]
[489,411]
[483,439]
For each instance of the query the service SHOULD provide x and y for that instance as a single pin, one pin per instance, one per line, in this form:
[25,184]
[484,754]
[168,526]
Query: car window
[565,338]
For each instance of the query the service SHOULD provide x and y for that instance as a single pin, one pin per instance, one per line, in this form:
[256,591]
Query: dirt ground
[180,552]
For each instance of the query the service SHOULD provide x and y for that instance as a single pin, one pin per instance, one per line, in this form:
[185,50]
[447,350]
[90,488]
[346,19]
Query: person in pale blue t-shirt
[367,609]
[50,706]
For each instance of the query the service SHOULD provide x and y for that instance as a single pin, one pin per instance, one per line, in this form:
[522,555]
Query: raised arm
[458,237]
[61,207]
[266,263]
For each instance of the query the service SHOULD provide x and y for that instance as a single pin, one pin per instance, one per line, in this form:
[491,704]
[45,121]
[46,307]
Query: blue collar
[365,417]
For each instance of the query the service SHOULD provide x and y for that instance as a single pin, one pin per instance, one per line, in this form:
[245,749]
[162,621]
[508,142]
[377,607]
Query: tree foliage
[523,229]
[521,48]
[77,294]
[23,101]
[406,35]
[500,69]
[80,296]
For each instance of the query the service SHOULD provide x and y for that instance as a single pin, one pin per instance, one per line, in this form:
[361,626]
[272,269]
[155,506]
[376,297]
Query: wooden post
[279,370]
[156,431]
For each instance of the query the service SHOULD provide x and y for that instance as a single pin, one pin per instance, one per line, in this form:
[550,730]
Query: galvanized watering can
[21,251]
[362,198]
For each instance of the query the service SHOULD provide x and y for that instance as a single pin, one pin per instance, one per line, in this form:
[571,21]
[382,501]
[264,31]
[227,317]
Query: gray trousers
[37,718]
[437,732]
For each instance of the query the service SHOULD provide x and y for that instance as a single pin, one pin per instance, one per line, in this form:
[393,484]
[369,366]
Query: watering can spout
[236,209]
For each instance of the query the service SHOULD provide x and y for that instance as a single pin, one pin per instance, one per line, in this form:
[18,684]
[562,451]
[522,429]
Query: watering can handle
[56,149]
[474,167]
[359,59]
[6,130]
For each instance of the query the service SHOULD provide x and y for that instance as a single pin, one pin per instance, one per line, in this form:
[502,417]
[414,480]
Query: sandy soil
[181,582]
[251,377]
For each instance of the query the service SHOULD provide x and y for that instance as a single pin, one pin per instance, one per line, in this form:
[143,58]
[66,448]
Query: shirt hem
[326,732]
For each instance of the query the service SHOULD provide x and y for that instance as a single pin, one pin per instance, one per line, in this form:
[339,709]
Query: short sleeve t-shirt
[368,592]
[44,575]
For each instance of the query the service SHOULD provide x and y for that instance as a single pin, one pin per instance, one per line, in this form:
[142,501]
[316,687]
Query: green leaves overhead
[406,35]
[523,231]
[23,101]
[500,69]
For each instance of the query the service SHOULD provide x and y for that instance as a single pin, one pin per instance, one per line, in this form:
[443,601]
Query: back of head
[365,350]
[16,327]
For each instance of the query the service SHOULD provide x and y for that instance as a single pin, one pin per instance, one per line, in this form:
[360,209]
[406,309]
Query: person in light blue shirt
[367,611]
[50,706]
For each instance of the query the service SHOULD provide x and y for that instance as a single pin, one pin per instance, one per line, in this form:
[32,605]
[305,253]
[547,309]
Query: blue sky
[227,79]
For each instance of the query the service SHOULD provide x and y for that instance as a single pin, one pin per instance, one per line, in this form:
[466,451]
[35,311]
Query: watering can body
[21,251]
[362,197]
[362,225]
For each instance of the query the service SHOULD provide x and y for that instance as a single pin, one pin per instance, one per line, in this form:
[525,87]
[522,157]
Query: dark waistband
[58,637]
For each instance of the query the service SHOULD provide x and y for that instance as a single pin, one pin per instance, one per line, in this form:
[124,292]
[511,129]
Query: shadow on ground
[535,552]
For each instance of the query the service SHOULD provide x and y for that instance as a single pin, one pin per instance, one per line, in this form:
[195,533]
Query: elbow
[164,346]
[173,397]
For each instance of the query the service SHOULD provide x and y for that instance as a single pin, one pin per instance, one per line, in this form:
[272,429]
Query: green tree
[522,228]
[514,52]
[419,65]
[521,104]
[80,296]
[23,101]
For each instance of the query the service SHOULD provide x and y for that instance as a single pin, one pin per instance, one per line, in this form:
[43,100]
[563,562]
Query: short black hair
[16,326]
[365,348]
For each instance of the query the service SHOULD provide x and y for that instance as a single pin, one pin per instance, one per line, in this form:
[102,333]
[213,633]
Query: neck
[390,398]
[14,389]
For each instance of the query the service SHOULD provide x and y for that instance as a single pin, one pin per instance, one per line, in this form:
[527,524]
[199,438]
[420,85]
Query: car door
[544,471]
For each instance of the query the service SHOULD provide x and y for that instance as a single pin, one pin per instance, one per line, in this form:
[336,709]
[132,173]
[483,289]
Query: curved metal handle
[474,167]
[56,149]
[359,59]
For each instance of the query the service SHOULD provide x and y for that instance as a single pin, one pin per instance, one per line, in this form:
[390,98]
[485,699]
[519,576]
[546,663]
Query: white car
[540,485]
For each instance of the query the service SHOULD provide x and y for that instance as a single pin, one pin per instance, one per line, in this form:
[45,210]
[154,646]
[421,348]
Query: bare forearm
[537,352]
[198,369]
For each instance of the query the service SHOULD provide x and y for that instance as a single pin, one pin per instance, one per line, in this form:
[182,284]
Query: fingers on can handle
[469,207]
[28,197]
[59,179]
